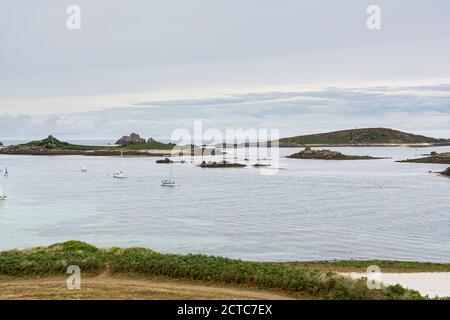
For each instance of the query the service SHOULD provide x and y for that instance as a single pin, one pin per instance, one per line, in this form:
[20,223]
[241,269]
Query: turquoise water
[311,210]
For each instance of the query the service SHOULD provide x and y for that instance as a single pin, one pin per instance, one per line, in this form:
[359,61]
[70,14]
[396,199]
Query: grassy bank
[362,265]
[301,282]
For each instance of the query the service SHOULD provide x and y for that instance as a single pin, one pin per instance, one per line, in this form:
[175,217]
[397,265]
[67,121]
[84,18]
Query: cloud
[422,109]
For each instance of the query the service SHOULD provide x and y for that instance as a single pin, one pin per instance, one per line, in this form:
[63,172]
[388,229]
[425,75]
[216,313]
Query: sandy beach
[433,284]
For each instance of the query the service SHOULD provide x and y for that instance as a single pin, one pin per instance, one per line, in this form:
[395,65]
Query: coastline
[284,280]
[99,152]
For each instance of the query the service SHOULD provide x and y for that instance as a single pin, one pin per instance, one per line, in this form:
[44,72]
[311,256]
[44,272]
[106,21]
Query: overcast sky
[154,66]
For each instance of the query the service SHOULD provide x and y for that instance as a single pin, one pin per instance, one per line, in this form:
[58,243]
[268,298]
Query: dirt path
[122,287]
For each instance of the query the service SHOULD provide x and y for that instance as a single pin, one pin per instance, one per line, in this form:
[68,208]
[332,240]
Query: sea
[303,210]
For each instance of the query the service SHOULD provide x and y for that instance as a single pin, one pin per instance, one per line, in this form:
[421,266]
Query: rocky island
[222,164]
[439,158]
[258,165]
[165,160]
[308,153]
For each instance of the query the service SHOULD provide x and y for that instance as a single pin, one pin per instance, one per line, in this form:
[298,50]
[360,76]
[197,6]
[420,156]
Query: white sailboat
[169,182]
[120,174]
[2,193]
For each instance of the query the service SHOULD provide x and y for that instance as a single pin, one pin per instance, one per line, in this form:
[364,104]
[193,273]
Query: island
[53,146]
[257,165]
[222,164]
[165,160]
[439,158]
[362,137]
[309,153]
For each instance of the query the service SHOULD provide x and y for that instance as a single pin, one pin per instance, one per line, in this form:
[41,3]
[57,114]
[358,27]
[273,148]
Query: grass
[360,136]
[301,282]
[148,146]
[51,143]
[362,265]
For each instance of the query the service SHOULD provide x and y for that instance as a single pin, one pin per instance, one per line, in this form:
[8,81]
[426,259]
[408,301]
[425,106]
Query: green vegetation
[51,143]
[148,146]
[360,137]
[53,146]
[362,265]
[302,282]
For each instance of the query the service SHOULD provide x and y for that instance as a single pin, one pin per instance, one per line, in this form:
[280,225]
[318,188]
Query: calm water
[312,210]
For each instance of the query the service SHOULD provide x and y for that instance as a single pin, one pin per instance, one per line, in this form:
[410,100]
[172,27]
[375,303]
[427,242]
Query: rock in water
[222,164]
[133,138]
[446,172]
[166,160]
[309,153]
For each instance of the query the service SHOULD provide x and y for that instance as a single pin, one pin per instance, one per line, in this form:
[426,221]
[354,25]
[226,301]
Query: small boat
[2,194]
[6,172]
[120,174]
[169,182]
[83,169]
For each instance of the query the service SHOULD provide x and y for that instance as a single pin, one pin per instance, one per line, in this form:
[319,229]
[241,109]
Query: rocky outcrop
[166,160]
[222,164]
[308,153]
[133,138]
[442,158]
[1,144]
[446,172]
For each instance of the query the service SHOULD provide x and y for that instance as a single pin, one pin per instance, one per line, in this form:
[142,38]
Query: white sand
[427,283]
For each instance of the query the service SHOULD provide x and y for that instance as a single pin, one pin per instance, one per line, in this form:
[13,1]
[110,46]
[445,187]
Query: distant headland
[362,137]
[365,137]
[135,145]
[53,146]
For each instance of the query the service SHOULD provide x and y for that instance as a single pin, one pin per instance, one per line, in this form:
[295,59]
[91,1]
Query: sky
[156,66]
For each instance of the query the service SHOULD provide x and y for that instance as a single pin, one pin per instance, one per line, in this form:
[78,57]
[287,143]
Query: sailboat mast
[121,158]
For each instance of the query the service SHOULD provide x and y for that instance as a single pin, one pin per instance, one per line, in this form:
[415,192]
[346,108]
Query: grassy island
[53,146]
[361,137]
